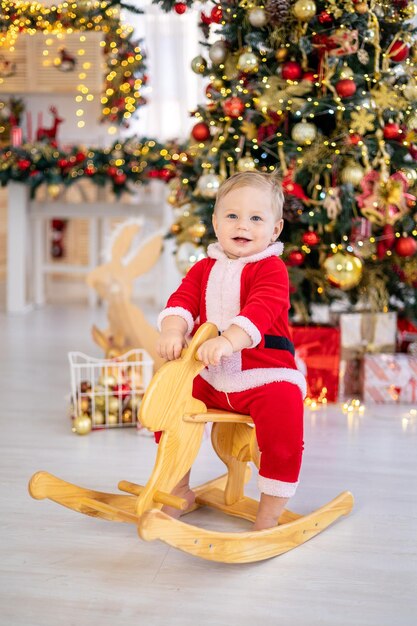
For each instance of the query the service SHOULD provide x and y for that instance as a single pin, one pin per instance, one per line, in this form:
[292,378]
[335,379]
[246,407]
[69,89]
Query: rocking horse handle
[205,332]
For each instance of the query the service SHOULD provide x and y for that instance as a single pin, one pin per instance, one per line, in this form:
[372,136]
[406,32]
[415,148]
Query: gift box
[390,378]
[317,352]
[360,334]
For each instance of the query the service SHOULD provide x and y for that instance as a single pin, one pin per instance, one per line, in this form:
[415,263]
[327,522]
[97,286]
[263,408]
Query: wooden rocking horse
[168,406]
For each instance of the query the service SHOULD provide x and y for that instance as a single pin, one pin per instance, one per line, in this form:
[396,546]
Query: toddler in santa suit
[242,288]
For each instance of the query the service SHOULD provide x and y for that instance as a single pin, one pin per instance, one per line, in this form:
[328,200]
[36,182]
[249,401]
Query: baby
[243,288]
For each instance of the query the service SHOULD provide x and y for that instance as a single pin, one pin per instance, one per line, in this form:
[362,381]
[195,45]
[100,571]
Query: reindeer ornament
[49,133]
[113,281]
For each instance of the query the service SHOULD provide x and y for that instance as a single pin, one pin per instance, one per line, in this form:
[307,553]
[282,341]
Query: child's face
[245,223]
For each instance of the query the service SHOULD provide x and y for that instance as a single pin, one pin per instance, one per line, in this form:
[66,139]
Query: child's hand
[170,344]
[211,351]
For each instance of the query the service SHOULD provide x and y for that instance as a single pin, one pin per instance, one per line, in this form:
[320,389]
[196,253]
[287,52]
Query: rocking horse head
[125,261]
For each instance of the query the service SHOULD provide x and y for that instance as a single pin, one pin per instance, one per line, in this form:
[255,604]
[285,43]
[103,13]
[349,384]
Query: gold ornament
[199,65]
[352,173]
[54,190]
[98,418]
[361,8]
[343,270]
[112,419]
[187,255]
[410,92]
[247,62]
[281,54]
[362,121]
[113,404]
[386,97]
[84,404]
[127,416]
[107,380]
[208,185]
[346,72]
[218,52]
[304,10]
[246,164]
[82,425]
[230,66]
[197,231]
[249,129]
[412,122]
[257,17]
[304,133]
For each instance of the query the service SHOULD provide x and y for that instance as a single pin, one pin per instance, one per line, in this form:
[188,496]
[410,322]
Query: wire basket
[109,391]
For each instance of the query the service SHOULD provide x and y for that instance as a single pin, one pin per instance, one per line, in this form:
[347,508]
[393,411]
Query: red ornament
[165,174]
[90,170]
[291,70]
[120,178]
[345,88]
[80,156]
[295,258]
[392,131]
[23,164]
[111,170]
[325,18]
[310,238]
[380,250]
[201,132]
[233,107]
[399,51]
[216,14]
[310,76]
[354,139]
[406,246]
[413,151]
[180,8]
[62,163]
[57,224]
[122,390]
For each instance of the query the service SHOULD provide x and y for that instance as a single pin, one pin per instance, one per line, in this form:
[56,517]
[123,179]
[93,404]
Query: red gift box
[317,351]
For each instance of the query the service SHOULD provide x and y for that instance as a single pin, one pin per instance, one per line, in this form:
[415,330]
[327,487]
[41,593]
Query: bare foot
[182,490]
[269,511]
[188,495]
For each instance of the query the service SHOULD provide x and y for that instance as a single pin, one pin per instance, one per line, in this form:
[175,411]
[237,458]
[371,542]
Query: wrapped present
[360,334]
[390,378]
[317,350]
[406,335]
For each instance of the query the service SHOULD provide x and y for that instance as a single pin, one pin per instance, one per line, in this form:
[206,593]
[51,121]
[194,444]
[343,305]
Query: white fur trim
[215,251]
[223,292]
[229,377]
[249,327]
[176,310]
[278,488]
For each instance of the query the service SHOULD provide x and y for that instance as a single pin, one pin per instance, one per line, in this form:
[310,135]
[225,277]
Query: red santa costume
[262,380]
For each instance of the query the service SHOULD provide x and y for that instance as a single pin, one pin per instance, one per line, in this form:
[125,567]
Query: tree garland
[125,75]
[123,165]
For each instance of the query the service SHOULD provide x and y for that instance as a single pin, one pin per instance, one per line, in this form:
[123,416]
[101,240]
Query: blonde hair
[261,180]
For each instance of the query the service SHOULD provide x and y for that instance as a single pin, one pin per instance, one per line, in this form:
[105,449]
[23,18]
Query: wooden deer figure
[51,132]
[128,326]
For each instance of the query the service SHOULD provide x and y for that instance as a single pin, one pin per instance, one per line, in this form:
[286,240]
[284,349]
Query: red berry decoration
[324,18]
[406,246]
[399,51]
[392,130]
[62,163]
[180,8]
[295,258]
[354,139]
[201,132]
[216,14]
[291,70]
[233,107]
[90,170]
[23,164]
[345,88]
[310,238]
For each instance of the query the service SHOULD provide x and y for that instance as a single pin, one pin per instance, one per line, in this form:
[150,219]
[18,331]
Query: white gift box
[390,378]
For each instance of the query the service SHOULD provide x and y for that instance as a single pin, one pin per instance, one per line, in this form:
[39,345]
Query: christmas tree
[326,93]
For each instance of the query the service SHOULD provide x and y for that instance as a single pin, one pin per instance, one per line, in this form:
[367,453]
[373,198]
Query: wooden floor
[60,568]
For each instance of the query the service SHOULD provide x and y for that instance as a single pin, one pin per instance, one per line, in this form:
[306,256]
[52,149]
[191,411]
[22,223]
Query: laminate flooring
[59,568]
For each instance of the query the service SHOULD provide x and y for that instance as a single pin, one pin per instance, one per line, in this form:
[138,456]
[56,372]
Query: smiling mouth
[241,239]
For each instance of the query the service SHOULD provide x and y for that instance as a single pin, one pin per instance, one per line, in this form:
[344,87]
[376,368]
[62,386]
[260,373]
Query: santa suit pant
[277,412]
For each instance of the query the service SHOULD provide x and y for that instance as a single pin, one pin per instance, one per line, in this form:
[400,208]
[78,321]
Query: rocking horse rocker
[168,406]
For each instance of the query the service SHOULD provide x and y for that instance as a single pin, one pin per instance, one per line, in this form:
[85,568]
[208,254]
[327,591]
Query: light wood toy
[168,406]
[128,326]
